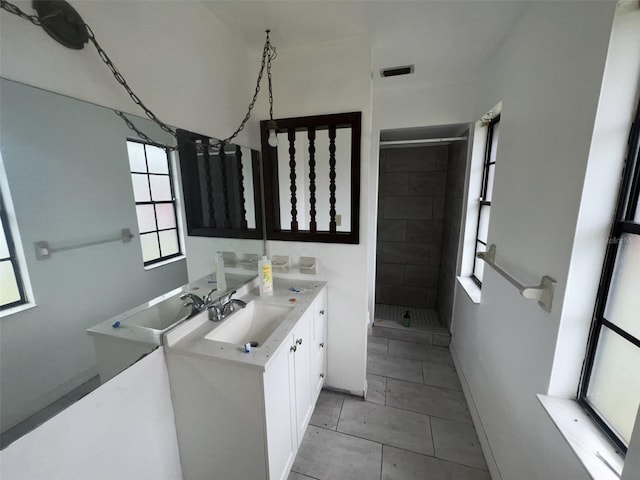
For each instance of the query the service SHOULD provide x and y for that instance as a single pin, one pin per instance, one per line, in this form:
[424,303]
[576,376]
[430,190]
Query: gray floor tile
[457,442]
[425,353]
[376,388]
[298,476]
[328,455]
[442,340]
[327,410]
[387,425]
[377,345]
[402,465]
[435,401]
[410,336]
[440,375]
[395,367]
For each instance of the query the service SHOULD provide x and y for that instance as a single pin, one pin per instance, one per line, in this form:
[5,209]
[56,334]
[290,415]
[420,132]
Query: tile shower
[419,212]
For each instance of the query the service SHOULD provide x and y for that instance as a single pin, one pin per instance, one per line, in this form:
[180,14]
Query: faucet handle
[207,297]
[228,297]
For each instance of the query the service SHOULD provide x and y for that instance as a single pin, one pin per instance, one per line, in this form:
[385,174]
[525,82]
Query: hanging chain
[120,79]
[141,134]
[268,54]
[11,8]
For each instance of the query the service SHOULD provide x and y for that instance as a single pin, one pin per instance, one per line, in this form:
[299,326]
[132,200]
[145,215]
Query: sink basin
[160,316]
[252,324]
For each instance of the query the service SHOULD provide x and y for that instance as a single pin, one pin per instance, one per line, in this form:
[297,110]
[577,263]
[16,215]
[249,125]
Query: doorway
[420,198]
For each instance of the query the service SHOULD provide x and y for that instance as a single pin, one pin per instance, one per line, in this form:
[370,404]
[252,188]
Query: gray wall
[451,230]
[68,172]
[410,225]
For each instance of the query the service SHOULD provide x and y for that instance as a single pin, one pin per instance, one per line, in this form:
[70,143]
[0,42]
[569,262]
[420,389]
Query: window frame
[623,223]
[173,202]
[12,258]
[273,226]
[482,201]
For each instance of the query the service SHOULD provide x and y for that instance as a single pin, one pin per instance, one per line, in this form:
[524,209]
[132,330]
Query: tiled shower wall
[410,225]
[451,230]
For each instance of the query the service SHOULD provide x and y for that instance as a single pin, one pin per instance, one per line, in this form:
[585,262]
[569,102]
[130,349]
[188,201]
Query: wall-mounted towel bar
[543,293]
[43,250]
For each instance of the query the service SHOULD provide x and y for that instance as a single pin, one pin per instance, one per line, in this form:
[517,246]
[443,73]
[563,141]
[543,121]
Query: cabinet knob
[322,345]
[321,312]
[322,375]
[299,341]
[293,348]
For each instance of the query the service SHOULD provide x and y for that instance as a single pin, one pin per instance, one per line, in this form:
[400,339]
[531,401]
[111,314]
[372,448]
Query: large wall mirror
[67,177]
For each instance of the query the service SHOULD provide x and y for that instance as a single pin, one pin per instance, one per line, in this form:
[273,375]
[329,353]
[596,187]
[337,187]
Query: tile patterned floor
[414,424]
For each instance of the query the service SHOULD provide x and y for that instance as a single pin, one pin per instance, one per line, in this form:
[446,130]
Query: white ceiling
[447,40]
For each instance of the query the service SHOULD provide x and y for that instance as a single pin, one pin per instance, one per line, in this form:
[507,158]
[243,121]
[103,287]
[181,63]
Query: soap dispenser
[266,277]
[221,279]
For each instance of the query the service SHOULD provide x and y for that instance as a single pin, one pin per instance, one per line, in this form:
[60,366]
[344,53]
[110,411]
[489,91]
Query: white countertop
[129,331]
[189,337]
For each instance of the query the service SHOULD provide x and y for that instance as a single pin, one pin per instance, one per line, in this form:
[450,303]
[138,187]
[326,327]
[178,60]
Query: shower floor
[425,326]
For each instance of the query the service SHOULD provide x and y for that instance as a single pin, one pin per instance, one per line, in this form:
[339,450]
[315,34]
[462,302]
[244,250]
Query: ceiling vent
[396,71]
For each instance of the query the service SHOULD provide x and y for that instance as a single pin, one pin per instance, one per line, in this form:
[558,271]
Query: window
[11,289]
[610,386]
[155,201]
[486,192]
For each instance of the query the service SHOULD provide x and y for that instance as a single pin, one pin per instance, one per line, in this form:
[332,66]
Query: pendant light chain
[11,8]
[268,54]
[120,79]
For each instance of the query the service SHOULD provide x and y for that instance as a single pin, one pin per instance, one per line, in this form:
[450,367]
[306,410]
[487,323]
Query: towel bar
[543,292]
[43,250]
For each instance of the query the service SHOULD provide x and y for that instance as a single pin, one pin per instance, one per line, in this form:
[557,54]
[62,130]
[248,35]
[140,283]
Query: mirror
[221,185]
[66,170]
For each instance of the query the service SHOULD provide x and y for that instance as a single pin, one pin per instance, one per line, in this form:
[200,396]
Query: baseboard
[344,391]
[494,471]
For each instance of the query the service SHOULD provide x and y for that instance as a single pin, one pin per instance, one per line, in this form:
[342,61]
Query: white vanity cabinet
[319,347]
[288,398]
[237,421]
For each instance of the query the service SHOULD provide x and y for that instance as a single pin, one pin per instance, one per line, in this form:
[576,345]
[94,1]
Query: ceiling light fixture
[64,24]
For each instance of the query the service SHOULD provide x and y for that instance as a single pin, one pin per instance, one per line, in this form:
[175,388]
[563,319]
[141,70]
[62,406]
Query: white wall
[124,430]
[547,73]
[199,78]
[333,78]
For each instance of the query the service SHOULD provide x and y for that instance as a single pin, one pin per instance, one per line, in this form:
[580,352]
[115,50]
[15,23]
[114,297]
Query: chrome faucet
[231,303]
[220,309]
[215,312]
[197,303]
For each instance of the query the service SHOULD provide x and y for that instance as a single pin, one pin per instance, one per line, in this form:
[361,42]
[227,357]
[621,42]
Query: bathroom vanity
[242,414]
[122,340]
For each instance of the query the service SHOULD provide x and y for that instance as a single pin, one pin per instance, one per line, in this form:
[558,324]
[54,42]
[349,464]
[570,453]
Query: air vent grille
[396,71]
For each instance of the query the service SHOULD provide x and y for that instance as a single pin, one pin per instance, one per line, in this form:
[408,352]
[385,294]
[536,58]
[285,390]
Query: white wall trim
[594,450]
[494,471]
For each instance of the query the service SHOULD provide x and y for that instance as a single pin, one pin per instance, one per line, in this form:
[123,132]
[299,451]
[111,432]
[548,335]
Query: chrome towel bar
[43,250]
[543,292]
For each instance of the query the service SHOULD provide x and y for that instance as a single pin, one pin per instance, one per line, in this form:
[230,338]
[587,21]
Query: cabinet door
[301,351]
[319,349]
[279,396]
